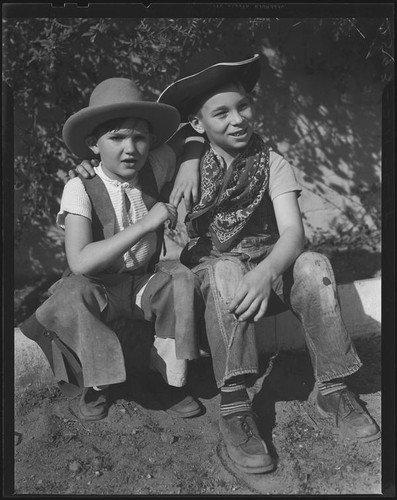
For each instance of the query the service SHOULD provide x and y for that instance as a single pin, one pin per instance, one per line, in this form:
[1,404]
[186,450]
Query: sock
[234,398]
[331,386]
[100,388]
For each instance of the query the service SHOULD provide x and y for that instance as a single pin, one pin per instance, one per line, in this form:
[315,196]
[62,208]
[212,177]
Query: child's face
[227,119]
[123,151]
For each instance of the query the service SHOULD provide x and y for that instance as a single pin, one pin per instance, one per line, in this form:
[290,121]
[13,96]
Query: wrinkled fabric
[75,322]
[307,288]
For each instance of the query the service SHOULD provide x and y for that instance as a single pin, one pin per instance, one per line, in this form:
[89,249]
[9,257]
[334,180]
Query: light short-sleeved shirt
[282,177]
[75,200]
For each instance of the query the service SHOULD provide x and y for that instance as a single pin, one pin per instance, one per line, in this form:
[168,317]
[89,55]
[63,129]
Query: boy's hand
[186,184]
[252,296]
[86,169]
[160,213]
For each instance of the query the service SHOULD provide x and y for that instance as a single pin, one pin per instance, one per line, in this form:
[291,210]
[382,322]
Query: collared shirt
[76,201]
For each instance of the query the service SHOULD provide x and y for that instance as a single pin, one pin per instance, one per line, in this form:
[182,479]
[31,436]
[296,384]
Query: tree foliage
[52,66]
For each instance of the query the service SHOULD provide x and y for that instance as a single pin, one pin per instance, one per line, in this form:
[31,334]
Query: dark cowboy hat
[118,98]
[205,71]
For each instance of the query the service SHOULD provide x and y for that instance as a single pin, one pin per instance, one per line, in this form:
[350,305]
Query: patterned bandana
[229,196]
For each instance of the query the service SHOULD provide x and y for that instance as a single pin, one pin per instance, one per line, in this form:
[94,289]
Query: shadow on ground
[291,379]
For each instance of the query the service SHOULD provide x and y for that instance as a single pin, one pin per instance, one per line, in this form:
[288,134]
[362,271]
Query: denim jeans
[307,288]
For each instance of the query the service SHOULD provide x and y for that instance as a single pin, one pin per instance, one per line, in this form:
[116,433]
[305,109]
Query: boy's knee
[179,276]
[79,289]
[315,267]
[228,274]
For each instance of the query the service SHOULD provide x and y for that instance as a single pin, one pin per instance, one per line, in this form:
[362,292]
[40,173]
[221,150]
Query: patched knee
[314,266]
[228,275]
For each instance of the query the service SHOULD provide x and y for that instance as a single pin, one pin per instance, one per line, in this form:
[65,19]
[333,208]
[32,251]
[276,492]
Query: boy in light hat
[113,235]
[247,250]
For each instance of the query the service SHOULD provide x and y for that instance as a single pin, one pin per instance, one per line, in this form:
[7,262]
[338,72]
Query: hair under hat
[204,72]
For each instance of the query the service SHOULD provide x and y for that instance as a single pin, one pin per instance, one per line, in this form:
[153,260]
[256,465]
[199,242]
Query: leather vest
[104,216]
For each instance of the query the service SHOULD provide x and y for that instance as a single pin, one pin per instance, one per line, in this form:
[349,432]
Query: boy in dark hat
[113,235]
[247,250]
[246,247]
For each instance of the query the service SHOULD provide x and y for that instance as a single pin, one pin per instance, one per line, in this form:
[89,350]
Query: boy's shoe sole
[254,470]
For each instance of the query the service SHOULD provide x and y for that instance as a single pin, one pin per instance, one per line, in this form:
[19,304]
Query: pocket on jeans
[256,247]
[253,242]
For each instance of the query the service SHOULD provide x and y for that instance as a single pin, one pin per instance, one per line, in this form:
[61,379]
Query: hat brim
[186,91]
[163,118]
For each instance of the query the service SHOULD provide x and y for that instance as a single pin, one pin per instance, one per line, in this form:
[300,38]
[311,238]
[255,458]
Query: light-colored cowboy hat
[205,71]
[118,98]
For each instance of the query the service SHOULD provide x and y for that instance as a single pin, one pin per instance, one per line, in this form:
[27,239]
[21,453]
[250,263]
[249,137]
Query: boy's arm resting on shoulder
[85,168]
[187,180]
[253,292]
[86,256]
[178,140]
[188,146]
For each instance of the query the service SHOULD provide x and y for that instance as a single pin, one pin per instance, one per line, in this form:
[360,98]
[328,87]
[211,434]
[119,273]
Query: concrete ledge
[361,313]
[32,370]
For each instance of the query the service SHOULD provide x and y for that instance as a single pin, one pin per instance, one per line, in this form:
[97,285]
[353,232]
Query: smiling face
[123,147]
[226,116]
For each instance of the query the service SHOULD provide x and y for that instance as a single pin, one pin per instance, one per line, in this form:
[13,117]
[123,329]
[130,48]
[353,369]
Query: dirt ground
[139,449]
